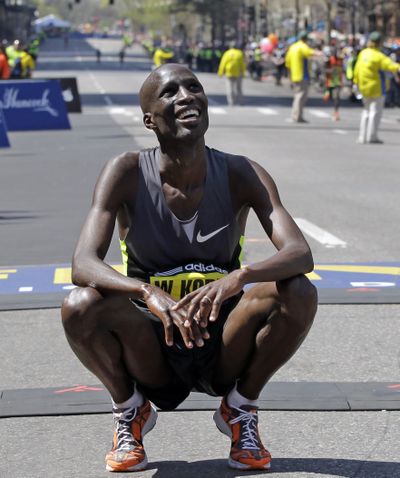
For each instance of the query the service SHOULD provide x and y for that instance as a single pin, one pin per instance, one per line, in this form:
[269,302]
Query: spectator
[369,77]
[121,55]
[27,64]
[162,55]
[278,59]
[296,62]
[233,67]
[4,68]
[334,80]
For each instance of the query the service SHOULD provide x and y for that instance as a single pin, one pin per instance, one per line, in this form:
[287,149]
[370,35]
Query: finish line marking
[323,237]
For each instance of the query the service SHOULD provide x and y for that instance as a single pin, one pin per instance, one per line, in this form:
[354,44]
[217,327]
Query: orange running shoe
[241,426]
[131,425]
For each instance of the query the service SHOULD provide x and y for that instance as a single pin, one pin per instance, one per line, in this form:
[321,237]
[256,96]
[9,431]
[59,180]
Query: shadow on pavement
[323,466]
[8,216]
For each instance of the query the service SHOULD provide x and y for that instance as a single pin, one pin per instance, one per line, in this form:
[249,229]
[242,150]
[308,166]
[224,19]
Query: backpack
[16,71]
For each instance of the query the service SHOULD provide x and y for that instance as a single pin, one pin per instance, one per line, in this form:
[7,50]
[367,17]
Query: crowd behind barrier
[331,72]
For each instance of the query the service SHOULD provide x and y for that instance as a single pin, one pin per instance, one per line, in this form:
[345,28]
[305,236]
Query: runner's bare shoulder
[121,170]
[249,181]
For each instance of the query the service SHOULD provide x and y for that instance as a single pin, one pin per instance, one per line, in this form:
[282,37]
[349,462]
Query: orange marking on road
[78,389]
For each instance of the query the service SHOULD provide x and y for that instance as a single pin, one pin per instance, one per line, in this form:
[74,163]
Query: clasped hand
[192,313]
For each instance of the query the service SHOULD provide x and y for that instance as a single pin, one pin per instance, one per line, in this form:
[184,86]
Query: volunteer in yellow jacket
[370,78]
[297,63]
[162,55]
[233,67]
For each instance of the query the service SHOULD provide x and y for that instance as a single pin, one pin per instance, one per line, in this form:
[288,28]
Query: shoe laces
[249,439]
[123,420]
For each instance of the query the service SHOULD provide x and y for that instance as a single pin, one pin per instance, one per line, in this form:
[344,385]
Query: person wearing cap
[163,54]
[370,78]
[296,61]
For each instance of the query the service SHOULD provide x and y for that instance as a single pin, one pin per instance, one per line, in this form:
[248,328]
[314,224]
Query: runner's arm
[88,266]
[293,254]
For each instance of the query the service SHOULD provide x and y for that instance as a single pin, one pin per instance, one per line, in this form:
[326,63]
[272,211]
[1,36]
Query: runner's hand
[205,302]
[161,305]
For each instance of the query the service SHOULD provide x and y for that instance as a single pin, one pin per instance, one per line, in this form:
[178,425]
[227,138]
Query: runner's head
[174,104]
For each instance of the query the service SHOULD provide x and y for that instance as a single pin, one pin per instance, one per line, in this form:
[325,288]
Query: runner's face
[179,105]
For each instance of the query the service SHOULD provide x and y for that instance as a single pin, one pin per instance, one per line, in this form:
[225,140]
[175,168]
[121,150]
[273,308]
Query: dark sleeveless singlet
[181,256]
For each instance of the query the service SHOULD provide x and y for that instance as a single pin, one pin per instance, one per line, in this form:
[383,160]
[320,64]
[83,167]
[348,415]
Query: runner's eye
[169,91]
[195,87]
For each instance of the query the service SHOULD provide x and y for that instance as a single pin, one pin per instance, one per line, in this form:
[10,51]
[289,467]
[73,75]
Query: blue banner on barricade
[4,143]
[33,105]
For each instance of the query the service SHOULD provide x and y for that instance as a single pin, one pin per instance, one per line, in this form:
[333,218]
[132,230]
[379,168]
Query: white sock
[136,400]
[235,399]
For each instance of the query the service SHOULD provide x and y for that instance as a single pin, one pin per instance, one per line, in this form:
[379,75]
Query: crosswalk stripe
[319,113]
[323,237]
[267,111]
[339,131]
[217,111]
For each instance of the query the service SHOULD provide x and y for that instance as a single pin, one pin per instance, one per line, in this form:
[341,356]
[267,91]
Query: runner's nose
[185,95]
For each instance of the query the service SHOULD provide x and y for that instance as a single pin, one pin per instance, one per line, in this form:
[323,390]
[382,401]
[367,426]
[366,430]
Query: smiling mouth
[188,114]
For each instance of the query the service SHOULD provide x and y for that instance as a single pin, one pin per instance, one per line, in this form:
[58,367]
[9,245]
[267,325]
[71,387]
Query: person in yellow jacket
[296,61]
[370,78]
[27,64]
[233,67]
[162,55]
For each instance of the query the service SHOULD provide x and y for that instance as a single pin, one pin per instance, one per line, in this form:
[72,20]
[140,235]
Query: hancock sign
[33,105]
[10,100]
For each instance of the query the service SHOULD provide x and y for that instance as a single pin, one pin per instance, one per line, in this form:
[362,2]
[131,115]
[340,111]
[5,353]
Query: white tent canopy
[50,21]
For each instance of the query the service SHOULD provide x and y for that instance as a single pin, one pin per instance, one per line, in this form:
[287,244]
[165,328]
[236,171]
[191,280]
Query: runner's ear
[148,121]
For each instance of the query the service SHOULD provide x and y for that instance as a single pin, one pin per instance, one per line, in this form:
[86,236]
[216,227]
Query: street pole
[328,20]
[397,27]
[353,18]
[297,17]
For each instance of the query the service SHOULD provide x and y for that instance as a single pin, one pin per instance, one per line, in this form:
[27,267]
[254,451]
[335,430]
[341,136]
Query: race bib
[181,281]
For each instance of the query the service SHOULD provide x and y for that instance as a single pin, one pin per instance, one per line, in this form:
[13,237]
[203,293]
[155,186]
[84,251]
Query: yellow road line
[62,275]
[388,270]
[5,272]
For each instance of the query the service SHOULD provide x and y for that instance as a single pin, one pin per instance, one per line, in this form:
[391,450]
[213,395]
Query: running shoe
[241,425]
[131,425]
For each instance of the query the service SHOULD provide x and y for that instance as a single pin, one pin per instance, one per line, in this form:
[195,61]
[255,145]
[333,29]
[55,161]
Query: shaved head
[152,81]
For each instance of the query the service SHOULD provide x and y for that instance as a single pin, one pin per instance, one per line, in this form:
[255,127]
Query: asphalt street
[348,191]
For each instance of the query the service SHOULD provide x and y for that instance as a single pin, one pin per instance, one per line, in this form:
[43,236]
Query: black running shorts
[193,368]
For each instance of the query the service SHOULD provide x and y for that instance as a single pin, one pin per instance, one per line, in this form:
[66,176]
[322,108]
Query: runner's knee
[76,310]
[299,298]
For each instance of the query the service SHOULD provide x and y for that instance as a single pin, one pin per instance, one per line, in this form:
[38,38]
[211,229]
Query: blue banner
[33,105]
[4,143]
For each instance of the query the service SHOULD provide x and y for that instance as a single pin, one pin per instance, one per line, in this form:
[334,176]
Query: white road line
[319,113]
[25,289]
[323,237]
[217,111]
[339,131]
[267,111]
[373,284]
